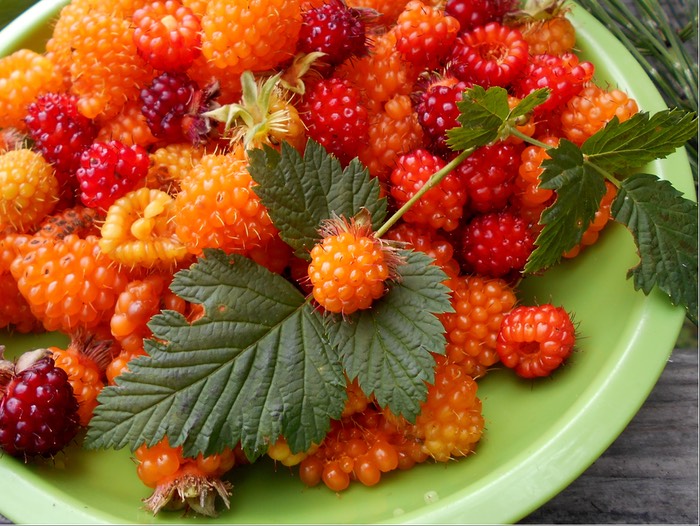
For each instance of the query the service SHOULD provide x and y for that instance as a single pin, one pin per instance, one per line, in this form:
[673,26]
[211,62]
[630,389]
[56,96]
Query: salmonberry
[28,189]
[69,282]
[496,244]
[565,76]
[475,13]
[472,329]
[437,110]
[183,482]
[600,220]
[535,340]
[253,36]
[589,111]
[545,27]
[350,267]
[427,240]
[108,170]
[60,133]
[217,207]
[24,75]
[84,360]
[425,34]
[393,131]
[335,117]
[490,55]
[166,101]
[129,127]
[38,411]
[335,29]
[441,206]
[488,175]
[167,35]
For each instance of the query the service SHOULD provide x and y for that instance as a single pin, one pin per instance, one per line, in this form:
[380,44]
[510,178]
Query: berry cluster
[124,154]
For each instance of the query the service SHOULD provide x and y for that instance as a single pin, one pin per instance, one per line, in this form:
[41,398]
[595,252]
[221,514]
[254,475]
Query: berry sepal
[190,492]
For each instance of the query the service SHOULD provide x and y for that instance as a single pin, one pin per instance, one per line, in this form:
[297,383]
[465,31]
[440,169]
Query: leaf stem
[520,135]
[430,183]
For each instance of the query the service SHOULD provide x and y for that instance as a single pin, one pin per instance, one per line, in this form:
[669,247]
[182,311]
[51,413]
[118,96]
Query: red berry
[336,117]
[167,35]
[474,13]
[60,133]
[563,74]
[489,174]
[439,207]
[38,412]
[490,55]
[437,111]
[108,170]
[335,29]
[165,102]
[496,244]
[536,340]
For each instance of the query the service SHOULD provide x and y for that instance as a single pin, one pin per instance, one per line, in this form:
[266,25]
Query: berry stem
[430,183]
[517,133]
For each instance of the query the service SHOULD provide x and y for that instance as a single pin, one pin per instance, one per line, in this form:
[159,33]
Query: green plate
[540,435]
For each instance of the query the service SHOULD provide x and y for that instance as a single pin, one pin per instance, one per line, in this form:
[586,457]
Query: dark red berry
[165,102]
[38,411]
[437,111]
[474,13]
[334,29]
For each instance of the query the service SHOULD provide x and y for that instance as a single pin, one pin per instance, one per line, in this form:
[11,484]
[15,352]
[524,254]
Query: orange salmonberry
[590,110]
[349,268]
[69,282]
[601,218]
[24,75]
[217,207]
[252,36]
[84,360]
[28,189]
[425,239]
[472,329]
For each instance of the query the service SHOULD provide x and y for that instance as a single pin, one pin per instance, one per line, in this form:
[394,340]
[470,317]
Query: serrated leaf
[482,113]
[579,189]
[388,347]
[619,147]
[665,229]
[256,366]
[300,192]
[485,116]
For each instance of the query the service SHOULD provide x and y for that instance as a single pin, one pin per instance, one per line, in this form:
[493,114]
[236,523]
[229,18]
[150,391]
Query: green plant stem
[430,183]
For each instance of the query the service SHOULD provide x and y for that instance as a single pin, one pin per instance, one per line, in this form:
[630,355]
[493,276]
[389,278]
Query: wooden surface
[649,475]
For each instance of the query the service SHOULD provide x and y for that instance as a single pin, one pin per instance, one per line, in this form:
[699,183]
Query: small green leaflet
[301,192]
[579,188]
[640,139]
[485,116]
[665,229]
[388,347]
[256,366]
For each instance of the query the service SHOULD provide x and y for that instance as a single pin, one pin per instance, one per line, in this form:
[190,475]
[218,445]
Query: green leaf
[388,347]
[665,228]
[579,188]
[486,116]
[301,192]
[482,113]
[640,139]
[256,366]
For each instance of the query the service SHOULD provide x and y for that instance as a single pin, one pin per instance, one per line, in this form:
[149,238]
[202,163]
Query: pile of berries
[123,156]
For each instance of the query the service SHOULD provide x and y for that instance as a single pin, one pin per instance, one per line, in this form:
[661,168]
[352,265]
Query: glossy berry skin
[335,29]
[165,102]
[489,175]
[437,111]
[336,117]
[490,55]
[565,76]
[167,35]
[439,207]
[60,132]
[496,244]
[474,13]
[535,340]
[108,170]
[348,272]
[38,412]
[424,34]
